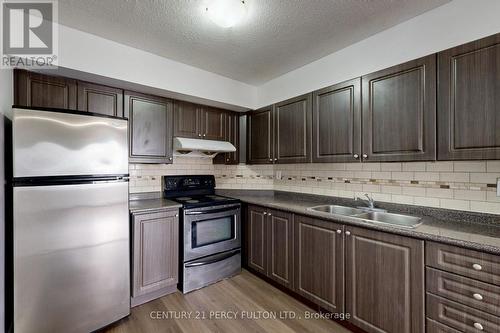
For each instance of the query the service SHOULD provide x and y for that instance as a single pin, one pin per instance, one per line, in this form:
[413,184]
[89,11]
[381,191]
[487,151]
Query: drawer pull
[478,326]
[477,267]
[477,296]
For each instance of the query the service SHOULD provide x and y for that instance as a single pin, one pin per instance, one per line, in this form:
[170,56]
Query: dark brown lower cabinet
[256,239]
[435,327]
[319,262]
[461,317]
[280,247]
[384,281]
[269,242]
[155,246]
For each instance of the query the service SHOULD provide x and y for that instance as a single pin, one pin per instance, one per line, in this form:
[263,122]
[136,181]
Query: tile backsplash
[464,185]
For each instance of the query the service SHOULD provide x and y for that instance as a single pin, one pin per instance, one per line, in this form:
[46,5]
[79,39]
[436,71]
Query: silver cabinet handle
[275,159]
[478,326]
[170,158]
[477,267]
[339,231]
[477,296]
[269,214]
[365,156]
[270,160]
[204,134]
[227,160]
[199,134]
[176,215]
[356,156]
[348,233]
[265,213]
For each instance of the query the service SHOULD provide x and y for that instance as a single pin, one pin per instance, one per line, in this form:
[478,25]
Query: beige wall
[453,185]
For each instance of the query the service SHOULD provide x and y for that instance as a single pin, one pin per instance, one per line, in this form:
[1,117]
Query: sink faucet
[370,202]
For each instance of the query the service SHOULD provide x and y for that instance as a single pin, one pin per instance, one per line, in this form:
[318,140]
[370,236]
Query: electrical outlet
[498,187]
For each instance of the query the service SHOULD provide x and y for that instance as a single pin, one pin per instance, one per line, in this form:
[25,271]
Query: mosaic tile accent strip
[468,185]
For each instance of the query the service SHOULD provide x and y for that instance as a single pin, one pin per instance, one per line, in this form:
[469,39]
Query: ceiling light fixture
[226,13]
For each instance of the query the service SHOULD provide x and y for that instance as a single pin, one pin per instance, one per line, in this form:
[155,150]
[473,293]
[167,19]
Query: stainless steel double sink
[370,215]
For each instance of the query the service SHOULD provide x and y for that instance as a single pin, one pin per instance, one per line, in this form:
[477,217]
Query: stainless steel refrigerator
[70,221]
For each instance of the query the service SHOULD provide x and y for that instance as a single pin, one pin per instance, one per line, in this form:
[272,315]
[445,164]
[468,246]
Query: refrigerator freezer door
[61,144]
[71,257]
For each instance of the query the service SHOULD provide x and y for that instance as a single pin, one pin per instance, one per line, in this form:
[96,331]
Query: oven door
[211,230]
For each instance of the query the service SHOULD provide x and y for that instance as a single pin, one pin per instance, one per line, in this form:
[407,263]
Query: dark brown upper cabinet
[469,101]
[319,262]
[150,128]
[199,122]
[100,99]
[260,136]
[44,91]
[292,124]
[187,118]
[337,123]
[384,281]
[232,135]
[399,112]
[213,123]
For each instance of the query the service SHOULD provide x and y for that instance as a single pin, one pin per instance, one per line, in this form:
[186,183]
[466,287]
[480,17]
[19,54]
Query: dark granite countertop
[467,229]
[150,202]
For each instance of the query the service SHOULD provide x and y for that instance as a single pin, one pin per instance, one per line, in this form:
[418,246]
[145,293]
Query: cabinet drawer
[477,265]
[461,317]
[479,295]
[435,327]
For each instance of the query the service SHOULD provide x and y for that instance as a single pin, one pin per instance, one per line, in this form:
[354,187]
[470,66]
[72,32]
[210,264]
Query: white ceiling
[277,36]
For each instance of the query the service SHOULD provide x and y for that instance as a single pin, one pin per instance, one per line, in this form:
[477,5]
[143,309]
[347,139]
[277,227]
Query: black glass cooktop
[203,200]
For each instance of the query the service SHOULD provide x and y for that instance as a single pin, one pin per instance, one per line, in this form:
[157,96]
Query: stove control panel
[188,183]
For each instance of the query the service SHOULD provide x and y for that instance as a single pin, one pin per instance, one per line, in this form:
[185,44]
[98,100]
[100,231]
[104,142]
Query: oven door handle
[213,259]
[227,209]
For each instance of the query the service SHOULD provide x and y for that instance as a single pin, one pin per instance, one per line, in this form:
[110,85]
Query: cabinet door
[100,99]
[187,118]
[44,91]
[293,130]
[319,262]
[280,248]
[384,281]
[213,123]
[233,136]
[260,136]
[150,127]
[337,123]
[469,101]
[256,239]
[399,112]
[155,252]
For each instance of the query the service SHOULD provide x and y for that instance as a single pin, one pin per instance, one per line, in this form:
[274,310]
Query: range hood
[203,148]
